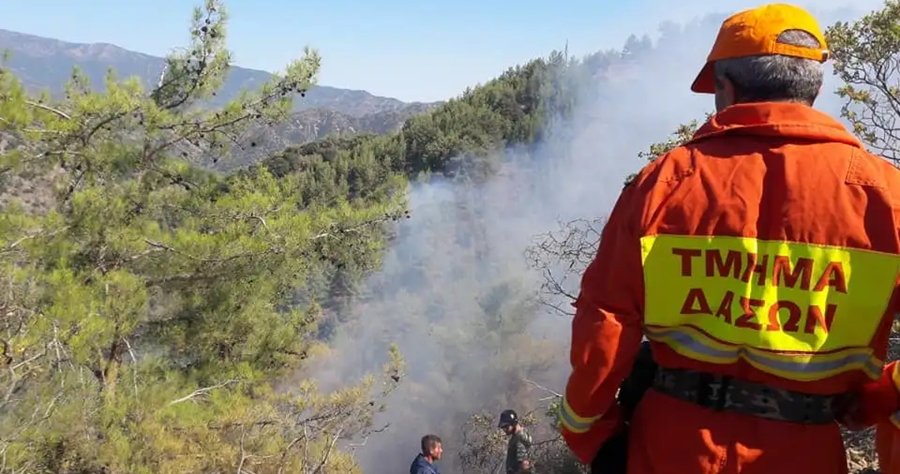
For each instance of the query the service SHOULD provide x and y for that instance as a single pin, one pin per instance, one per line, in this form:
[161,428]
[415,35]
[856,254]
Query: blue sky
[411,50]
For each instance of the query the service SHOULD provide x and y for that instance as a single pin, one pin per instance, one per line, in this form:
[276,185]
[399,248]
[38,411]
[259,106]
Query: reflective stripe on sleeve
[574,422]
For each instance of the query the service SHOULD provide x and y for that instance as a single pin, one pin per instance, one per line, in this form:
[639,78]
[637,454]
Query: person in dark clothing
[432,449]
[518,459]
[613,454]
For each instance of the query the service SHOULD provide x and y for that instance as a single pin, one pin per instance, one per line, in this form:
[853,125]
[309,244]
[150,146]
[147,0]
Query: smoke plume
[455,292]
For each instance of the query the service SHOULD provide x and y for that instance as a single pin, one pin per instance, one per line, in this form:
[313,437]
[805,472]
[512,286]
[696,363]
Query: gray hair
[775,77]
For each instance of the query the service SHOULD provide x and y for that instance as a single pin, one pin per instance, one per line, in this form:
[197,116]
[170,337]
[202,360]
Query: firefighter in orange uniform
[760,260]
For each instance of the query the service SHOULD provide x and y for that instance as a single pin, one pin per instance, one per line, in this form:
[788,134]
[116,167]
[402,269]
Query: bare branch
[240,468]
[541,387]
[133,365]
[202,391]
[33,235]
[328,452]
[12,386]
[562,256]
[366,439]
[162,75]
[305,445]
[30,360]
[355,228]
[48,109]
[286,451]
[261,220]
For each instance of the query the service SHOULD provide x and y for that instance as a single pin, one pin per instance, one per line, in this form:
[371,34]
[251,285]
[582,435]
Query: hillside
[313,125]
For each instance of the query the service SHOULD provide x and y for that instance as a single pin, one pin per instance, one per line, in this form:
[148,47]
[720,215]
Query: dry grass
[861,457]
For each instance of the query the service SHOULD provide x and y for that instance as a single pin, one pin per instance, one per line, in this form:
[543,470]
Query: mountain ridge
[43,63]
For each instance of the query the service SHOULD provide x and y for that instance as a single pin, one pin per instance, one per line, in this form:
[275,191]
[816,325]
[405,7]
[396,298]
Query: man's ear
[818,94]
[725,92]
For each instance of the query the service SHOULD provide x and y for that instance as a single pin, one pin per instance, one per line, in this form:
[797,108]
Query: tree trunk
[111,371]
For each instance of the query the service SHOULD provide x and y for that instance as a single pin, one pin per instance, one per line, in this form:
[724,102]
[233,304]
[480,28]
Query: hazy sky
[412,50]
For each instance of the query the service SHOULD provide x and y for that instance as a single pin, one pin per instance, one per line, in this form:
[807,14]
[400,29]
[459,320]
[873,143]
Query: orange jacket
[765,248]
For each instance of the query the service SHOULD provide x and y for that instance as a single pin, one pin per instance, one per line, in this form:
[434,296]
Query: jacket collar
[776,119]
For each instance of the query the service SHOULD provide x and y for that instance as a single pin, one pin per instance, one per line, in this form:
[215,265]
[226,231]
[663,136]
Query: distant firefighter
[518,451]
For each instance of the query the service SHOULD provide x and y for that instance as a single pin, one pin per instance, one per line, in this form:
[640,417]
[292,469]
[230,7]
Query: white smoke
[455,276]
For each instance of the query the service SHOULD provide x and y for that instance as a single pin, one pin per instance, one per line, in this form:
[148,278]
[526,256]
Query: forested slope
[462,135]
[152,307]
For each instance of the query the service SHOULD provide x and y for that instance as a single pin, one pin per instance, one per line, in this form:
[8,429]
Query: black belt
[720,392]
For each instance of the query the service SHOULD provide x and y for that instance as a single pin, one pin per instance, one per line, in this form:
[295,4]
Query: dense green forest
[460,137]
[151,307]
[159,317]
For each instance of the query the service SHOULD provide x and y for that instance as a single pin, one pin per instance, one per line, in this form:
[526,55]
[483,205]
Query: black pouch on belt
[613,455]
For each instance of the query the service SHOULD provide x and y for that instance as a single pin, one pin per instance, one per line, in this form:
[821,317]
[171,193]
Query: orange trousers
[673,436]
[887,438]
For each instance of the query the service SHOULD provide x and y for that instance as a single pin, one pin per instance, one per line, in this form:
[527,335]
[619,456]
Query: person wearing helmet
[518,449]
[760,259]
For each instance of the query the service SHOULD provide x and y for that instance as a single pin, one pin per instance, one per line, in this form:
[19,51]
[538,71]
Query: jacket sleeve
[878,404]
[523,447]
[887,446]
[878,399]
[606,331]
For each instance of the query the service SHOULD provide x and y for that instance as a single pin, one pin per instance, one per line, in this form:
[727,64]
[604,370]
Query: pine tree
[151,308]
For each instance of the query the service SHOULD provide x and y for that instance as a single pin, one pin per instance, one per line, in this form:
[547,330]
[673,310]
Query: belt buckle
[712,390]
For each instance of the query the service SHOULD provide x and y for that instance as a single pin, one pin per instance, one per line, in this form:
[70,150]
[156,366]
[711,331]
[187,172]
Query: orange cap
[755,32]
